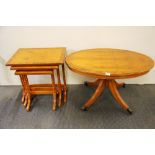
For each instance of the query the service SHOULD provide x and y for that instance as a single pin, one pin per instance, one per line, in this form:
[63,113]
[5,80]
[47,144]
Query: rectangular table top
[38,56]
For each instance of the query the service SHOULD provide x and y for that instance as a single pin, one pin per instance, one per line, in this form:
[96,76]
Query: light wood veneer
[107,65]
[40,61]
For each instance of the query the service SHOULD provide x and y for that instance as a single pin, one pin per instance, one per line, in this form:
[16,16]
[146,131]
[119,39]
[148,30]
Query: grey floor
[106,113]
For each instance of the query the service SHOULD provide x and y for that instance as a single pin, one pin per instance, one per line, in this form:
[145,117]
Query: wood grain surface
[37,56]
[109,63]
[40,61]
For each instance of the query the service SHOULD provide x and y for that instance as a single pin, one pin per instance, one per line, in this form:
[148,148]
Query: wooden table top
[37,56]
[109,63]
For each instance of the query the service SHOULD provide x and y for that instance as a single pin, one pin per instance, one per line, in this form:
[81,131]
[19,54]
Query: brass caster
[124,85]
[85,83]
[84,109]
[129,111]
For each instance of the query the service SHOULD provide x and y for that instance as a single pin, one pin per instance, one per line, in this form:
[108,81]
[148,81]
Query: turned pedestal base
[113,86]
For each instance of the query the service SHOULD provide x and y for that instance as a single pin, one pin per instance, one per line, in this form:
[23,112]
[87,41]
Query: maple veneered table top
[109,63]
[37,56]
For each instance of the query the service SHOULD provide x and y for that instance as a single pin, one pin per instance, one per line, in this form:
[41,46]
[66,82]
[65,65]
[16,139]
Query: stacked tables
[107,65]
[40,61]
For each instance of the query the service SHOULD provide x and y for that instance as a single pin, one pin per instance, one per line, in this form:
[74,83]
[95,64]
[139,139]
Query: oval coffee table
[107,65]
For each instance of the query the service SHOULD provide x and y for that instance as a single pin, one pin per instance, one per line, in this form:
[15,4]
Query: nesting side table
[41,61]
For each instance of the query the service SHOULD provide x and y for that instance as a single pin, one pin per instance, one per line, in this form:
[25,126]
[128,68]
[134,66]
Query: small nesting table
[40,61]
[107,65]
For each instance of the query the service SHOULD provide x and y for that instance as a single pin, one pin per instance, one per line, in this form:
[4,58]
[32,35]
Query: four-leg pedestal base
[113,86]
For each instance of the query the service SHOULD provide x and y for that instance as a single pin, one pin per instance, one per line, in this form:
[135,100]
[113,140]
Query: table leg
[98,92]
[59,87]
[119,85]
[65,86]
[95,84]
[26,97]
[92,84]
[113,87]
[27,102]
[54,93]
[23,86]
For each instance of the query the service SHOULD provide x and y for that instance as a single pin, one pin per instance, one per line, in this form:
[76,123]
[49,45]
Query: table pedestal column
[113,86]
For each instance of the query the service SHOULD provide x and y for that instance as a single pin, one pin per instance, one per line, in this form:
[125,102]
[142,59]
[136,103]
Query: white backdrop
[140,39]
